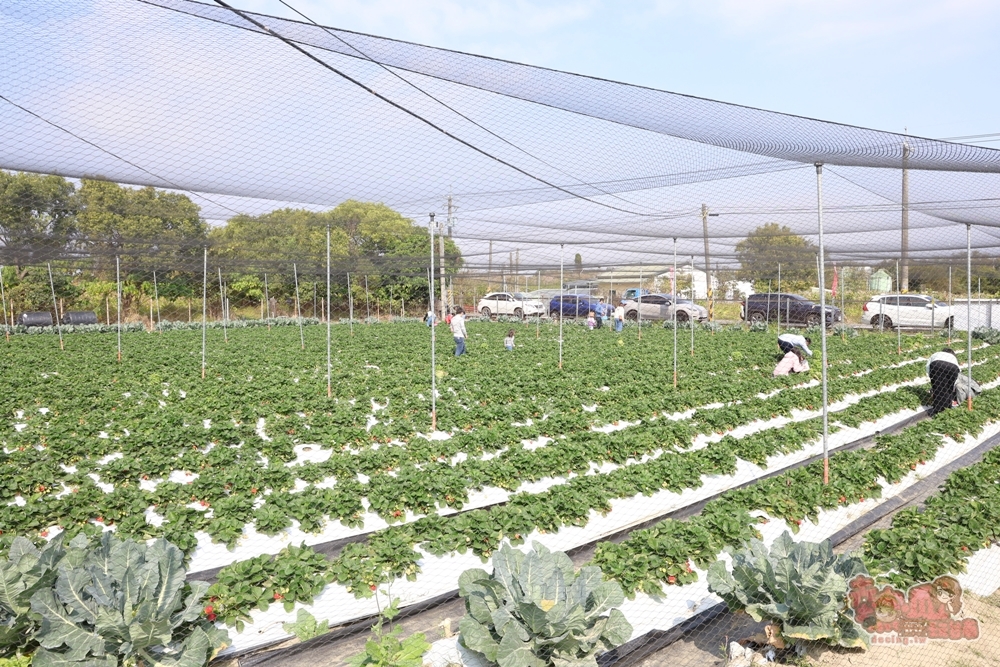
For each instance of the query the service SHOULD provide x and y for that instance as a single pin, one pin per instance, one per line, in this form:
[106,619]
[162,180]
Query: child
[591,321]
[508,342]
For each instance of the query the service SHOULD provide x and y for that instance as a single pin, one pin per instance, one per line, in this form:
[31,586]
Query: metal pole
[298,304]
[779,298]
[204,312]
[118,279]
[350,304]
[55,306]
[3,297]
[562,257]
[432,309]
[329,363]
[690,321]
[904,245]
[222,300]
[899,329]
[538,320]
[368,310]
[638,309]
[951,318]
[673,288]
[267,301]
[156,295]
[968,306]
[822,308]
[444,286]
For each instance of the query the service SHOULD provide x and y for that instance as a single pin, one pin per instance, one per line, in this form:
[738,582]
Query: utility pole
[451,224]
[444,284]
[904,245]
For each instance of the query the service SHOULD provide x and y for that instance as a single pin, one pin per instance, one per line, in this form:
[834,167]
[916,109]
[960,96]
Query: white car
[661,307]
[509,303]
[885,311]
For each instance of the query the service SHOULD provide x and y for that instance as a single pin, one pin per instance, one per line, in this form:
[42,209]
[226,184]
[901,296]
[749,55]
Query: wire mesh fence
[598,347]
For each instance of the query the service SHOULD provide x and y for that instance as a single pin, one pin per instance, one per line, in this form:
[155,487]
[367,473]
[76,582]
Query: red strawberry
[211,617]
[209,609]
[671,579]
[278,596]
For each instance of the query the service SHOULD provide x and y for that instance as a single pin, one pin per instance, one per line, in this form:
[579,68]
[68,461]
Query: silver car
[662,306]
[510,303]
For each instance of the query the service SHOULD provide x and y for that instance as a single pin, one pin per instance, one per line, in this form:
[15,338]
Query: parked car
[510,303]
[79,317]
[633,293]
[661,307]
[906,310]
[572,305]
[793,309]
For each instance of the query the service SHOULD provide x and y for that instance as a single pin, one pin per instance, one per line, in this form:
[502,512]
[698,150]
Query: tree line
[90,230]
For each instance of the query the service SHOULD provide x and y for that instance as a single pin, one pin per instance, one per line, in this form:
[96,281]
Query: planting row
[390,553]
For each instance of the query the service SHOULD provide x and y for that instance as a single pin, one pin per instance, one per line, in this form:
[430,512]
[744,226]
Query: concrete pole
[55,306]
[298,305]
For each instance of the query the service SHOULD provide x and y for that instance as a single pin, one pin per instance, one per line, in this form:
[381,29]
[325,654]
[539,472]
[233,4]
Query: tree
[578,262]
[146,228]
[366,239]
[37,215]
[771,244]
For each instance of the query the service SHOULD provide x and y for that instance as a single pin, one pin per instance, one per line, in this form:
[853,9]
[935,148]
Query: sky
[926,66]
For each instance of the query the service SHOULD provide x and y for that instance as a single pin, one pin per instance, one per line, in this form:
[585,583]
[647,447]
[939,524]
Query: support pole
[298,304]
[638,308]
[156,295]
[3,297]
[952,317]
[822,323]
[368,309]
[899,329]
[204,311]
[222,300]
[350,304]
[562,257]
[444,284]
[431,309]
[968,306]
[118,280]
[779,298]
[674,290]
[55,308]
[904,240]
[267,301]
[329,362]
[538,320]
[691,321]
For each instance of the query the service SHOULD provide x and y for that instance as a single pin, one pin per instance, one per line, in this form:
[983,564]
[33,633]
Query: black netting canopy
[247,113]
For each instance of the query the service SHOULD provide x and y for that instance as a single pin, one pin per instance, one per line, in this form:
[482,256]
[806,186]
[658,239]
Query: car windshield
[520,296]
[686,302]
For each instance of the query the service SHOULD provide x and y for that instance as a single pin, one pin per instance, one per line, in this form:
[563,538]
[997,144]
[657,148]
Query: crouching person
[943,370]
[792,362]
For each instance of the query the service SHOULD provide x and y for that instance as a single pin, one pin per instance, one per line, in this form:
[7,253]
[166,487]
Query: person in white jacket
[942,369]
[787,342]
[458,330]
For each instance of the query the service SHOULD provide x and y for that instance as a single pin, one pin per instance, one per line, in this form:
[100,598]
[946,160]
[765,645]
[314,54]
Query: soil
[704,648]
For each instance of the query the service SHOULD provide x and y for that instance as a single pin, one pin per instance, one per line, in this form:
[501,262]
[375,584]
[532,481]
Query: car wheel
[757,317]
[486,313]
[812,319]
[949,323]
[881,322]
[632,315]
[554,314]
[518,313]
[682,316]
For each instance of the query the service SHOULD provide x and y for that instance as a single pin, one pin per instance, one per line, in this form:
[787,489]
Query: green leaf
[476,637]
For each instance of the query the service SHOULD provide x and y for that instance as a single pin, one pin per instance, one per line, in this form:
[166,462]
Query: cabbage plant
[535,610]
[801,586]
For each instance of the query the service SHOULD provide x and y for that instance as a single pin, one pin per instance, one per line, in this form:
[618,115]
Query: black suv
[791,308]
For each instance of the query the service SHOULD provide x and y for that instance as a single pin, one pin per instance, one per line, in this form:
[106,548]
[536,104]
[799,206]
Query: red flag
[834,286]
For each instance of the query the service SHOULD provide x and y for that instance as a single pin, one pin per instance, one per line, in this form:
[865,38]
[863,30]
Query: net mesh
[242,142]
